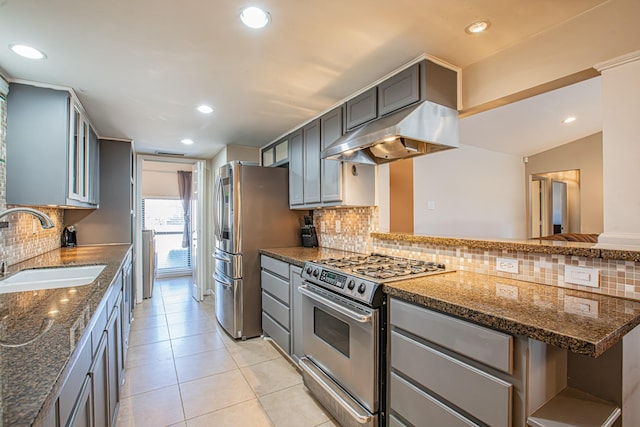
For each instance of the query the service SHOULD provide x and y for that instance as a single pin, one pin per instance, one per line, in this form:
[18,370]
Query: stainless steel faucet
[44,219]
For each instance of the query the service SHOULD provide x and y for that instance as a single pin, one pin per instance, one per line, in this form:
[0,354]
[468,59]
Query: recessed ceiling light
[478,26]
[187,141]
[569,119]
[254,17]
[27,51]
[205,109]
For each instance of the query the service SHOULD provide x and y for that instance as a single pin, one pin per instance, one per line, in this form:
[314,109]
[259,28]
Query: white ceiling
[140,67]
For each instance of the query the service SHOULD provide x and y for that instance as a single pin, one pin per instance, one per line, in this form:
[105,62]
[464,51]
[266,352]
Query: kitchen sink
[50,278]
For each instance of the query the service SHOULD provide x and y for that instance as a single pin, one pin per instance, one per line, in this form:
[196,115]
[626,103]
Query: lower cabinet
[296,313]
[276,319]
[90,394]
[446,370]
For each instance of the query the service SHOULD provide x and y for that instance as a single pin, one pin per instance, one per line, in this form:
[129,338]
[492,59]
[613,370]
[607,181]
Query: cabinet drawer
[276,286]
[276,332]
[361,109]
[276,310]
[275,266]
[483,396]
[416,406]
[490,347]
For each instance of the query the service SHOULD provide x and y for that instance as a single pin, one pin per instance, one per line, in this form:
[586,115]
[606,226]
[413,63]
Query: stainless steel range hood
[424,128]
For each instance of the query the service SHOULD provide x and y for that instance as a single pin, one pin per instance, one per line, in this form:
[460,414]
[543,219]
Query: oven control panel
[333,278]
[342,283]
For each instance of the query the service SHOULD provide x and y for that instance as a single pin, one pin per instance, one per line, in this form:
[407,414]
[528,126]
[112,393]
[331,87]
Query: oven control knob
[362,288]
[308,270]
[315,273]
[351,284]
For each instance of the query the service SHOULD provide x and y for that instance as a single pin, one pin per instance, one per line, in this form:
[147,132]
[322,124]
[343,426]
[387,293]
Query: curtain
[184,189]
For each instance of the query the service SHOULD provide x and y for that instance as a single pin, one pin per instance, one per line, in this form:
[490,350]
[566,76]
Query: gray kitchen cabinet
[99,373]
[126,311]
[48,132]
[274,279]
[82,414]
[276,154]
[94,168]
[296,168]
[331,170]
[399,91]
[90,394]
[295,278]
[432,375]
[361,109]
[311,173]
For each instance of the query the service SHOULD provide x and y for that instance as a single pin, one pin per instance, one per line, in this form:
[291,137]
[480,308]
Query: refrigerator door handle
[221,257]
[224,281]
[217,208]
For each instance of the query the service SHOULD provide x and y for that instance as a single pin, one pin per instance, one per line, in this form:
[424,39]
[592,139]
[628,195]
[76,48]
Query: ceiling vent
[167,153]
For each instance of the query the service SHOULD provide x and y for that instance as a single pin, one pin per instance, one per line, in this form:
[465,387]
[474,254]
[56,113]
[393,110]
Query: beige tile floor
[184,370]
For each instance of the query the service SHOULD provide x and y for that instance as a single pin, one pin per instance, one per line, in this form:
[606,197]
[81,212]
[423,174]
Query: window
[166,217]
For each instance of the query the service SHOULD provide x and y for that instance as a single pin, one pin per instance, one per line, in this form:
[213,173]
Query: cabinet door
[296,313]
[114,349]
[99,374]
[331,177]
[82,414]
[296,168]
[311,138]
[94,168]
[361,109]
[126,312]
[399,91]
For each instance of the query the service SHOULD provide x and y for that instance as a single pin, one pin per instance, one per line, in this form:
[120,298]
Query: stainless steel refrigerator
[251,211]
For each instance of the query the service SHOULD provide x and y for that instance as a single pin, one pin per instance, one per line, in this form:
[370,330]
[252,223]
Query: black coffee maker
[308,233]
[69,239]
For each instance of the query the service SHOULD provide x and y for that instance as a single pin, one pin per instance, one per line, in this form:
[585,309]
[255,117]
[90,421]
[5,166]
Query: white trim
[623,241]
[620,60]
[4,85]
[414,61]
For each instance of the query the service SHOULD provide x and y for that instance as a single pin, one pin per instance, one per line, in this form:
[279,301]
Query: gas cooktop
[361,276]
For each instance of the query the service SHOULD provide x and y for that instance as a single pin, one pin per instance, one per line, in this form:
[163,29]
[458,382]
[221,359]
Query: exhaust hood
[424,128]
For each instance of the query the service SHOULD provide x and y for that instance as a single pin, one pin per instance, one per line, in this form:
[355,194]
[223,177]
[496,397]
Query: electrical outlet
[322,227]
[582,276]
[337,226]
[507,265]
[431,205]
[506,291]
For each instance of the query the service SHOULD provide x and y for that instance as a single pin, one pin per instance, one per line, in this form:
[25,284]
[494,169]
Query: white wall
[477,193]
[620,152]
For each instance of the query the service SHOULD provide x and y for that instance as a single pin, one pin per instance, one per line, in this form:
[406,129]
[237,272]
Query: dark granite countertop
[581,322]
[299,255]
[29,374]
[589,250]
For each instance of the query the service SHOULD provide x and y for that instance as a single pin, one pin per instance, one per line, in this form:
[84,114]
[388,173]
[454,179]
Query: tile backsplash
[24,238]
[617,278]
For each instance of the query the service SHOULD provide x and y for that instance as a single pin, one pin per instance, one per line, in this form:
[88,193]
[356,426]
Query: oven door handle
[353,315]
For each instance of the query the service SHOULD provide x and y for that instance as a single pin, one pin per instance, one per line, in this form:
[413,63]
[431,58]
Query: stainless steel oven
[341,337]
[344,344]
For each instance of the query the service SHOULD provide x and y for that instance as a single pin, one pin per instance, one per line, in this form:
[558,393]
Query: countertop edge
[534,246]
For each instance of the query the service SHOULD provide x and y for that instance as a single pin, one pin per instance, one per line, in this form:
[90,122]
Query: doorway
[170,200]
[555,203]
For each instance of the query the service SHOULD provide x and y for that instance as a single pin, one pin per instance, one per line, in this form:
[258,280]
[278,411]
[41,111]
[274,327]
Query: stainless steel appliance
[343,341]
[148,262]
[251,211]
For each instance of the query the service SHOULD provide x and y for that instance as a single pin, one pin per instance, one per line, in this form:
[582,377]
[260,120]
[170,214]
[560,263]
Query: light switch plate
[507,265]
[582,276]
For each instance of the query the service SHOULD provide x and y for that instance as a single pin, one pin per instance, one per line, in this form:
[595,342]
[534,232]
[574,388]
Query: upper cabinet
[277,154]
[362,108]
[52,150]
[315,183]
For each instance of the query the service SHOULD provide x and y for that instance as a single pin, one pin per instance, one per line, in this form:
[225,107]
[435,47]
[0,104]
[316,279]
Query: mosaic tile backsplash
[617,278]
